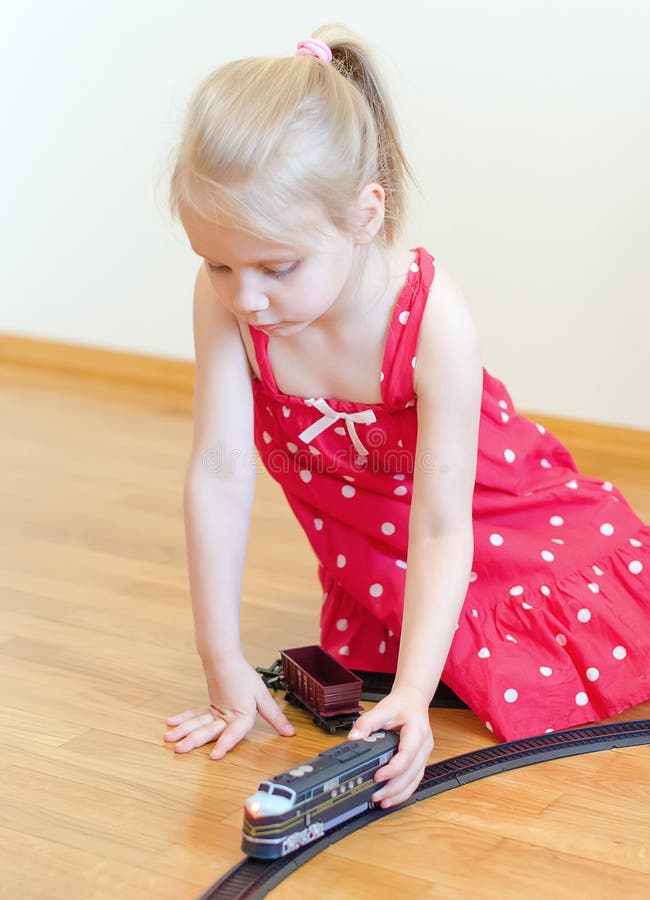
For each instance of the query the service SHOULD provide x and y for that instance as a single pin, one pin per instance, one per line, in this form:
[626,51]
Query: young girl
[455,538]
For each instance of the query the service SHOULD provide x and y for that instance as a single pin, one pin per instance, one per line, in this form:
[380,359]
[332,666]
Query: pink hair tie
[314,47]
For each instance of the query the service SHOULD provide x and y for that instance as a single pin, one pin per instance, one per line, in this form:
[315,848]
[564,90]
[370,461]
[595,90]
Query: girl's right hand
[236,696]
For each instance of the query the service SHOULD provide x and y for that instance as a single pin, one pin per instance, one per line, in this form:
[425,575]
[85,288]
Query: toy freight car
[322,685]
[300,805]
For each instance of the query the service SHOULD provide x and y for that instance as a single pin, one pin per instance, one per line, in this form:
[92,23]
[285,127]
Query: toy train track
[252,879]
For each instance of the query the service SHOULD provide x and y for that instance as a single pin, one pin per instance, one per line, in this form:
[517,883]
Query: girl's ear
[369,213]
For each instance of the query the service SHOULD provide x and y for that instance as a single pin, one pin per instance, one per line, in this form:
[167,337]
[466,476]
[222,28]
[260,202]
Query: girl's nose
[248,301]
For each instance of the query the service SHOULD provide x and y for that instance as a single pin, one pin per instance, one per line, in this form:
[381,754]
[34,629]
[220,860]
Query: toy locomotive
[316,681]
[300,805]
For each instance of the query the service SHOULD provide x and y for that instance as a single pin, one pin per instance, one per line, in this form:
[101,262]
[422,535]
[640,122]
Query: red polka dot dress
[555,627]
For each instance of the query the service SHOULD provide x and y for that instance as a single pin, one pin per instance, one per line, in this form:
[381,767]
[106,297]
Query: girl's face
[272,286]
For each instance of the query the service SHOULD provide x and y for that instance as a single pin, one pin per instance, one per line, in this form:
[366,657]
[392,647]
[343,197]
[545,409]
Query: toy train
[316,681]
[300,805]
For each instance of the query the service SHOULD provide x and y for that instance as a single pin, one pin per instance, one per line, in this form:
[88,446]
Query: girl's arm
[220,480]
[217,500]
[448,385]
[449,388]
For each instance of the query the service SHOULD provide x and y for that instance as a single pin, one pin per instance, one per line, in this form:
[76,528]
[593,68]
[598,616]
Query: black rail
[252,879]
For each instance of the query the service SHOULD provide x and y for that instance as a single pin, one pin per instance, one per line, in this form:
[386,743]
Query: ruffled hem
[561,654]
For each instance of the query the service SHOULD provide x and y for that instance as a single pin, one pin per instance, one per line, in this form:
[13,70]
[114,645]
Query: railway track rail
[252,879]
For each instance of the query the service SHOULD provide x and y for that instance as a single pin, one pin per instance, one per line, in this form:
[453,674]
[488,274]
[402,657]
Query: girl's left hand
[406,711]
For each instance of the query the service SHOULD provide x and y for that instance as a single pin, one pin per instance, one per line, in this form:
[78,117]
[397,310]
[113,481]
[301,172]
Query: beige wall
[527,124]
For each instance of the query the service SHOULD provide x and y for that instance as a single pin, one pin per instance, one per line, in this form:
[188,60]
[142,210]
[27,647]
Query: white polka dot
[527,605]
[376,590]
[267,437]
[404,317]
[414,267]
[635,566]
[381,376]
[382,647]
[635,543]
[400,443]
[391,633]
[510,695]
[545,590]
[305,474]
[556,521]
[318,524]
[581,698]
[556,541]
[540,428]
[516,591]
[348,491]
[503,404]
[549,731]
[286,412]
[473,576]
[292,447]
[484,653]
[496,540]
[584,615]
[546,672]
[593,674]
[413,362]
[545,464]
[344,651]
[348,477]
[268,409]
[475,613]
[509,455]
[607,485]
[340,560]
[505,417]
[341,624]
[593,587]
[399,477]
[400,491]
[388,528]
[339,430]
[597,571]
[315,451]
[607,529]
[619,652]
[509,637]
[547,555]
[400,563]
[561,639]
[488,726]
[573,484]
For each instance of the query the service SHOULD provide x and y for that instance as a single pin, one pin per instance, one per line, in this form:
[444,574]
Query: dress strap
[260,343]
[397,384]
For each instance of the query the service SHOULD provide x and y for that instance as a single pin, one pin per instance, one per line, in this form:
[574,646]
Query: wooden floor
[96,650]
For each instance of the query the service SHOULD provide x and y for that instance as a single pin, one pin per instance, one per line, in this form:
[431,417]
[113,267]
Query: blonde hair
[269,143]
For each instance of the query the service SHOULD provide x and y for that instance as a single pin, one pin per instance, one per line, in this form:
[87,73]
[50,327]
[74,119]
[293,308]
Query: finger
[398,789]
[413,745]
[233,733]
[188,714]
[188,725]
[200,736]
[271,713]
[374,720]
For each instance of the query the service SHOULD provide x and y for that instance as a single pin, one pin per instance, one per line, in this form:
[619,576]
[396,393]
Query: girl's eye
[274,273]
[282,273]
